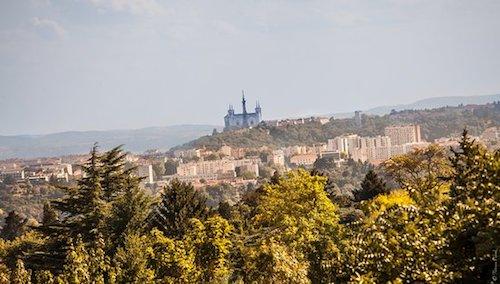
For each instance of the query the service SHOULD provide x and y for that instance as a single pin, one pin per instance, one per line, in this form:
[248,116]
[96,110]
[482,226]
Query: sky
[117,64]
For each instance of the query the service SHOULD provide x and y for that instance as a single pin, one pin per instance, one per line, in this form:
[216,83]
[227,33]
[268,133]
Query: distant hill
[429,103]
[76,142]
[435,123]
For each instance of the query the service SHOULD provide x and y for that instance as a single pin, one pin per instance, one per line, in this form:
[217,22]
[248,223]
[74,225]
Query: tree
[13,227]
[422,172]
[171,167]
[86,209]
[295,213]
[129,215]
[324,163]
[159,169]
[474,207]
[49,215]
[179,203]
[20,275]
[398,241]
[224,210]
[131,262]
[371,186]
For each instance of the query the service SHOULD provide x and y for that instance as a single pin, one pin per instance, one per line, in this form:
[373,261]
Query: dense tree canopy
[440,225]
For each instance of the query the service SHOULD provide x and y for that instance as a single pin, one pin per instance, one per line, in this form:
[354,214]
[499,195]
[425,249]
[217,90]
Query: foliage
[371,186]
[474,210]
[13,227]
[179,203]
[293,216]
[442,225]
[435,123]
[422,172]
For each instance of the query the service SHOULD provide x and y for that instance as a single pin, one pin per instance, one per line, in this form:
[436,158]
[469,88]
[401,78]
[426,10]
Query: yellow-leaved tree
[296,232]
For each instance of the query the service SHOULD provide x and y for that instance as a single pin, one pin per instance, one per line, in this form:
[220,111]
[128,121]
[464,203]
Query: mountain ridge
[430,103]
[78,142]
[166,137]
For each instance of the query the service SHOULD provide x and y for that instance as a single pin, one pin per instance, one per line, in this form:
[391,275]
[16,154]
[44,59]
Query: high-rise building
[403,134]
[344,144]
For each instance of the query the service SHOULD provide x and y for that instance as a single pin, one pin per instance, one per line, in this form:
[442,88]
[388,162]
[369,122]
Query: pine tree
[473,211]
[49,215]
[371,186]
[180,202]
[103,205]
[128,215]
[13,227]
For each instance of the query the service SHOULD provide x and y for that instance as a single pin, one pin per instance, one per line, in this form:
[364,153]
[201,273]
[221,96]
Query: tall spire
[244,102]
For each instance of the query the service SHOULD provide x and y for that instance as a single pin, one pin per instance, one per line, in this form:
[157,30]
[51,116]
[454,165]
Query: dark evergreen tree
[224,210]
[49,214]
[371,186]
[101,206]
[473,211]
[180,202]
[13,227]
[275,179]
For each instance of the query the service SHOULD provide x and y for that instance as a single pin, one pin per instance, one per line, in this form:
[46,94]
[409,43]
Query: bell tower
[243,102]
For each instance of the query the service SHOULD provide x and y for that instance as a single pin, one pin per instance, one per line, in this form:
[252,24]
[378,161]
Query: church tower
[245,119]
[244,102]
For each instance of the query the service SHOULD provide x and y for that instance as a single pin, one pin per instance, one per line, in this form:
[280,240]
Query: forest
[429,216]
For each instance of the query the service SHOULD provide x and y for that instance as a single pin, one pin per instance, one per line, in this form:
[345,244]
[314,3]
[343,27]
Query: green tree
[94,209]
[474,208]
[49,215]
[371,186]
[179,203]
[14,226]
[131,262]
[171,167]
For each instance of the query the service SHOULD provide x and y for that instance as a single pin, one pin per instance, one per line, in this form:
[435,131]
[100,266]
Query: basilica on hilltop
[242,120]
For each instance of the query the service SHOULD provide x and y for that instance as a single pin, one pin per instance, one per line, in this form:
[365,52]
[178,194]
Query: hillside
[137,140]
[429,103]
[435,123]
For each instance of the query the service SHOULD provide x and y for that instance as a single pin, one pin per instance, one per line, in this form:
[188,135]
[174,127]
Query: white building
[403,134]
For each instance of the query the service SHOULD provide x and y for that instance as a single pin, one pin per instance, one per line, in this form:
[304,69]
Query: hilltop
[435,123]
[429,103]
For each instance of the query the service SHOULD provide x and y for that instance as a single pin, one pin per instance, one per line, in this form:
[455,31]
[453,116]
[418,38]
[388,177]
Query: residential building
[303,159]
[403,134]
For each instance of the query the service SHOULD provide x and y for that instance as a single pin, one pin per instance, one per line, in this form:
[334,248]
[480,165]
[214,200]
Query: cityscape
[229,141]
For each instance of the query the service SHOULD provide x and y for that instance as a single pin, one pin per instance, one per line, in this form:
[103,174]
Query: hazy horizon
[118,64]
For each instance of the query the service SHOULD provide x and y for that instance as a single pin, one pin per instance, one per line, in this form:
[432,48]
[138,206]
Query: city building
[225,150]
[345,144]
[303,159]
[242,120]
[403,134]
[277,157]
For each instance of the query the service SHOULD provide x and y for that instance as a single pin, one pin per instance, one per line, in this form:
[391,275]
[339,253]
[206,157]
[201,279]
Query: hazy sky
[106,64]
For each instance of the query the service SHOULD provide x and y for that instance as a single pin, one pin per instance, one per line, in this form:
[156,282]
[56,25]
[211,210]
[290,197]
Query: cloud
[48,29]
[136,7]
